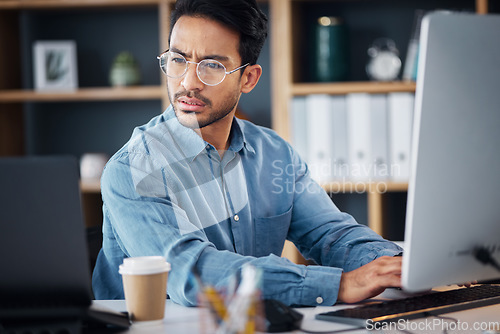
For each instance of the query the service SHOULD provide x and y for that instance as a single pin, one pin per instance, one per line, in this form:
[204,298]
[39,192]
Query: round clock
[384,63]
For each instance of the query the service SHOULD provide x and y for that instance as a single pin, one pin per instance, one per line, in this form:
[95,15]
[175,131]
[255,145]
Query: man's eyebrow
[213,56]
[174,49]
[217,57]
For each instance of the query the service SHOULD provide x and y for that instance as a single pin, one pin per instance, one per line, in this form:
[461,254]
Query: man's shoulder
[144,136]
[144,140]
[259,134]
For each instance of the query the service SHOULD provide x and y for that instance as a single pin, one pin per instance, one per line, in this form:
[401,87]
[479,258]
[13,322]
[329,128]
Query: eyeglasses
[211,72]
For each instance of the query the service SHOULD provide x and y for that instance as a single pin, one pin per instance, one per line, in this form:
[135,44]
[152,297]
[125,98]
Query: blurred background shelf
[90,186]
[84,94]
[56,4]
[355,187]
[94,186]
[342,88]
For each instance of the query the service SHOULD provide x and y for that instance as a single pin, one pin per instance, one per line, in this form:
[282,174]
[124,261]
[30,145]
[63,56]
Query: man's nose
[191,81]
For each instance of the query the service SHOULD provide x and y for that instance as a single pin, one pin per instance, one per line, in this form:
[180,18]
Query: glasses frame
[163,54]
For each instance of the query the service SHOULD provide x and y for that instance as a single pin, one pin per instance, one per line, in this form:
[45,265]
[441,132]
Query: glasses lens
[211,72]
[173,64]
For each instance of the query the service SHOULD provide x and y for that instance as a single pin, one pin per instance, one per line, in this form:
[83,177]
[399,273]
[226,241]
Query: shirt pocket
[271,233]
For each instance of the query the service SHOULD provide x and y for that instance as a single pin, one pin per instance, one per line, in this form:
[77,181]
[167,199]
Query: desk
[192,320]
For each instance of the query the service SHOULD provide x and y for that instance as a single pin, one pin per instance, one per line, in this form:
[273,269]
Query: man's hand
[370,280]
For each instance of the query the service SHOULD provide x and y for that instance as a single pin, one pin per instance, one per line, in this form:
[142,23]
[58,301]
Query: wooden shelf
[41,4]
[364,187]
[56,4]
[342,88]
[94,186]
[84,94]
[90,186]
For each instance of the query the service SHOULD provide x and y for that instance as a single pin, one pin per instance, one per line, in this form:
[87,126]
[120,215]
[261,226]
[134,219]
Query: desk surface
[184,320]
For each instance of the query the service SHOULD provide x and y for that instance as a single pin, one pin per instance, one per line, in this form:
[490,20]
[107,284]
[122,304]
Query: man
[211,192]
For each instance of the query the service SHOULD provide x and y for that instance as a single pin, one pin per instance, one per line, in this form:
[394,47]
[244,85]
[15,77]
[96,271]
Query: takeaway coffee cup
[145,287]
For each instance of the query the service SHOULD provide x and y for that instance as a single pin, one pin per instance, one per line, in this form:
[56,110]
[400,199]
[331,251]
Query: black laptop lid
[43,250]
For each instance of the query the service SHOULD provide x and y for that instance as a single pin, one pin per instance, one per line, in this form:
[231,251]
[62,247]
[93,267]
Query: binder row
[358,137]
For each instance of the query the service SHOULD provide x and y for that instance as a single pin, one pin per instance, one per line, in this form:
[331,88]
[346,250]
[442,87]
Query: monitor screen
[454,190]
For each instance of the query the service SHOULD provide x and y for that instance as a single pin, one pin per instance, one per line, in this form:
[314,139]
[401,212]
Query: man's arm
[154,225]
[333,238]
[148,225]
[325,234]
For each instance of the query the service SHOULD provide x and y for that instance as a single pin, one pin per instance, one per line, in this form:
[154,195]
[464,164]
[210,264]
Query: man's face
[197,105]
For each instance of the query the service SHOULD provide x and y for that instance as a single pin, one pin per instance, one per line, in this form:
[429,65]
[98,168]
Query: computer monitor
[454,190]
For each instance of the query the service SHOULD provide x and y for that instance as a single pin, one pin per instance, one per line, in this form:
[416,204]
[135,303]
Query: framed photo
[55,65]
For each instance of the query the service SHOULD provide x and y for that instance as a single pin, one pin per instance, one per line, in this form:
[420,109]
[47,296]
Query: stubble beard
[192,120]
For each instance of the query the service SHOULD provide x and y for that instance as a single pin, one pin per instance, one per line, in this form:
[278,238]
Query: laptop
[45,263]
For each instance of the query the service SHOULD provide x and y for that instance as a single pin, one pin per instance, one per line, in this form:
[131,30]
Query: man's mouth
[191,102]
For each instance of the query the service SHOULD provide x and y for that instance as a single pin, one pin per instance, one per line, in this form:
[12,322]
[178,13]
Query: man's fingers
[370,279]
[392,281]
[389,265]
[391,269]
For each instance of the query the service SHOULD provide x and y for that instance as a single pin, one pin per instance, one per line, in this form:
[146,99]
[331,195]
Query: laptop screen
[42,234]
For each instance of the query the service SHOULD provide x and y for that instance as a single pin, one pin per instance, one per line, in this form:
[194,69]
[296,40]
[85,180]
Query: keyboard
[420,306]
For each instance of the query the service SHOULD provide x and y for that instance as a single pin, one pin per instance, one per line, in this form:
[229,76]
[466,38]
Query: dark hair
[244,16]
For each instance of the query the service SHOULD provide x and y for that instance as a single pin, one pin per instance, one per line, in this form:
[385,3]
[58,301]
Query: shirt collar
[238,139]
[188,141]
[192,145]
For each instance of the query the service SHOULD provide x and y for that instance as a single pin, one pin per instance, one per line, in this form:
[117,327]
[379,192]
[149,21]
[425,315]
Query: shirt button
[319,300]
[236,218]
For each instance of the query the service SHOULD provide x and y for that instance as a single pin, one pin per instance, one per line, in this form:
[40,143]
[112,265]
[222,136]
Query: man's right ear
[250,78]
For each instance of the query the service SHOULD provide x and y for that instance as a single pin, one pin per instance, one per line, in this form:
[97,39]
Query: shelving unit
[12,95]
[16,94]
[287,38]
[288,32]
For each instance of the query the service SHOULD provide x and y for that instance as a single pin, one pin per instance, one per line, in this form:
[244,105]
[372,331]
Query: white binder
[298,126]
[340,153]
[319,123]
[358,115]
[401,107]
[379,137]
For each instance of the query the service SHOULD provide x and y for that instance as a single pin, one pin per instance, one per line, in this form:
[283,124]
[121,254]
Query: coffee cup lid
[144,265]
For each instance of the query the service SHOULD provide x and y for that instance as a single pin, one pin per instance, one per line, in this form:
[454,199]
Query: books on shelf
[358,137]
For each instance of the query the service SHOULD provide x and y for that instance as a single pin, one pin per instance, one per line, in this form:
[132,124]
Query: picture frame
[55,65]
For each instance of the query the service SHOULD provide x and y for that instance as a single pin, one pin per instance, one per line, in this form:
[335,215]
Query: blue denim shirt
[167,192]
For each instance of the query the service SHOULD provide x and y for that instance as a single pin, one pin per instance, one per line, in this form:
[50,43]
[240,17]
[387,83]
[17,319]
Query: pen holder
[239,311]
